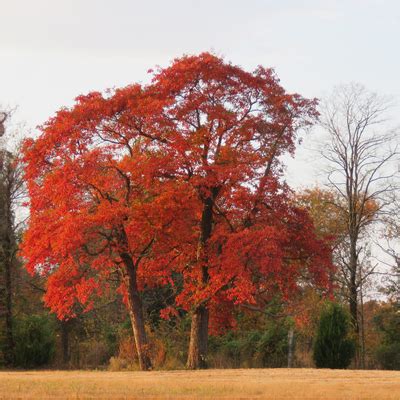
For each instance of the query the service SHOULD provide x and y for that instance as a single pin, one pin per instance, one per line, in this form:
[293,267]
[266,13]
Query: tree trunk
[362,329]
[135,309]
[353,302]
[9,353]
[290,347]
[65,330]
[197,354]
[7,244]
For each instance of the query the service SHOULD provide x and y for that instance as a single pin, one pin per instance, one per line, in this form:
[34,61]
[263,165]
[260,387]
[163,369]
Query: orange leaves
[168,312]
[131,172]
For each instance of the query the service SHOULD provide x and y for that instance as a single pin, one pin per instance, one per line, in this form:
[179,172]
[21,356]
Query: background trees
[359,155]
[11,193]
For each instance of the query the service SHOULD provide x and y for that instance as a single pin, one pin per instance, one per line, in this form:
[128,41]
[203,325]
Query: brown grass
[210,384]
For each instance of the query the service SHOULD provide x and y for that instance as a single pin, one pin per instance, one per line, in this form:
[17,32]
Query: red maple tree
[227,129]
[99,208]
[182,175]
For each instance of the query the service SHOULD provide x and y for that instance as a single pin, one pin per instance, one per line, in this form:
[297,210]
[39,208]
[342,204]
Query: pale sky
[53,50]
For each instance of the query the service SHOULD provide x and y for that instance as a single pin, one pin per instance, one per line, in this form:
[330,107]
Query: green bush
[332,347]
[249,346]
[389,355]
[272,348]
[34,341]
[255,348]
[388,323]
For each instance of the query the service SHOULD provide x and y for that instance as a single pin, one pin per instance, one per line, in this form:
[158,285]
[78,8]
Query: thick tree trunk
[135,309]
[197,354]
[139,332]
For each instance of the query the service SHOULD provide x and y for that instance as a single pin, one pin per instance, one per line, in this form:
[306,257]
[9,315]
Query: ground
[210,384]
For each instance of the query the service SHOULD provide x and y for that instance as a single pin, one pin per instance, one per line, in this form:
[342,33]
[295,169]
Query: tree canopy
[182,175]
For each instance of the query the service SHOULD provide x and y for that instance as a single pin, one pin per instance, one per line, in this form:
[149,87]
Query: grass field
[209,384]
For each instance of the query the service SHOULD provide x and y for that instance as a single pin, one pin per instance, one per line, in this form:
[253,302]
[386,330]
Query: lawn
[209,384]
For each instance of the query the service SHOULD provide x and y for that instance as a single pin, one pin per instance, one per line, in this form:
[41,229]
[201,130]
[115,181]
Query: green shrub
[254,348]
[272,348]
[388,323]
[389,355]
[332,347]
[34,341]
[248,347]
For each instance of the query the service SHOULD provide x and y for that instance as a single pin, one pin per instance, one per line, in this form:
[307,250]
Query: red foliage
[134,169]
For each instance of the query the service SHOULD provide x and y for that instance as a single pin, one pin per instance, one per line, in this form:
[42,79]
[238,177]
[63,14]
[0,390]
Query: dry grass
[210,384]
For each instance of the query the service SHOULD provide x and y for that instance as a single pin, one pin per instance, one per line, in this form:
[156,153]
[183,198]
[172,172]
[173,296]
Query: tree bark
[197,354]
[135,309]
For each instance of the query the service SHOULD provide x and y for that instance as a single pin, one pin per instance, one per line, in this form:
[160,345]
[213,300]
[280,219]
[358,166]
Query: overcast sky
[53,50]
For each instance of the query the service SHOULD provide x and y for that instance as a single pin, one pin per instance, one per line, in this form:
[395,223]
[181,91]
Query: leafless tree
[391,247]
[360,153]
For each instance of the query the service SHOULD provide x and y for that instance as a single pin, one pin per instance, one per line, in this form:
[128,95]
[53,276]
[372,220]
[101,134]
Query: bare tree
[391,247]
[360,155]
